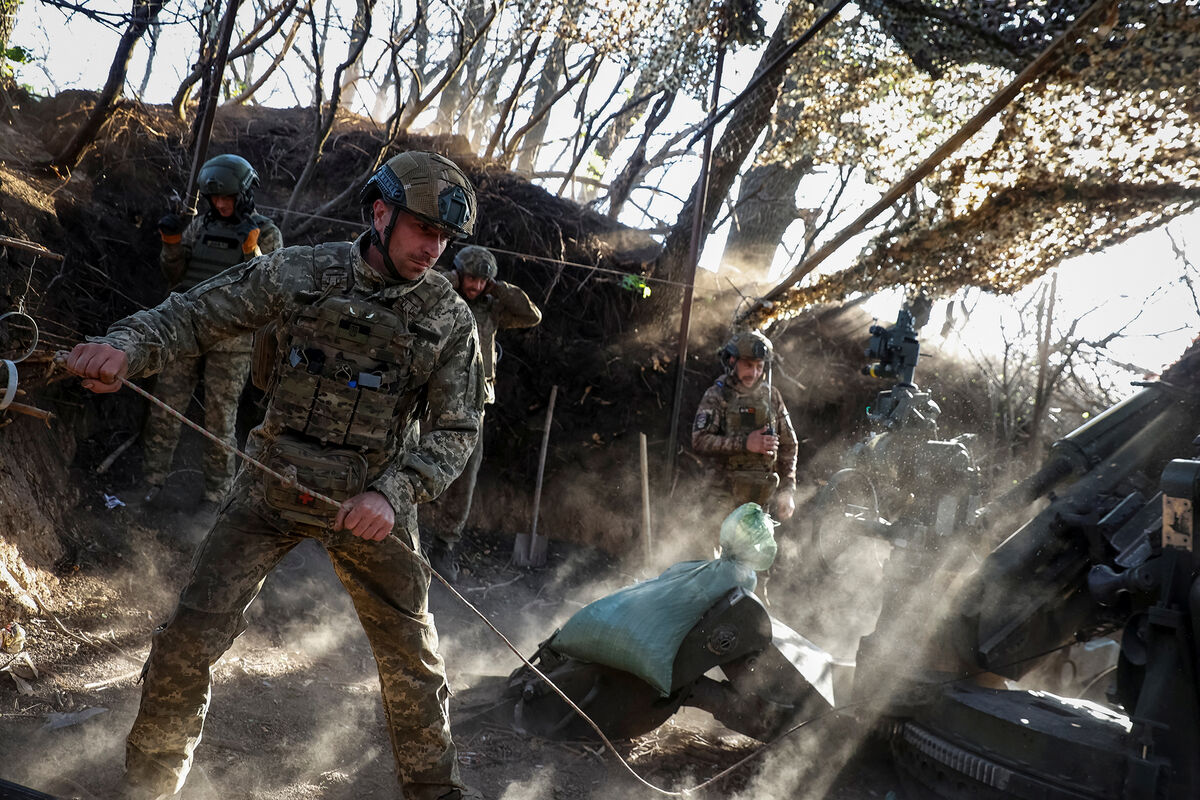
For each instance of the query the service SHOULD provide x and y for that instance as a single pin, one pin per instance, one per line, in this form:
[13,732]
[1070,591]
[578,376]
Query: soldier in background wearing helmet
[496,306]
[743,431]
[371,339]
[229,233]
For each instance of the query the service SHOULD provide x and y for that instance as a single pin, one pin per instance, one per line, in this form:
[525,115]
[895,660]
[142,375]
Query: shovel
[529,549]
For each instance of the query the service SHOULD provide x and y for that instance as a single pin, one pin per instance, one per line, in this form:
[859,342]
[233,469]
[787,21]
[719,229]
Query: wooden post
[645,498]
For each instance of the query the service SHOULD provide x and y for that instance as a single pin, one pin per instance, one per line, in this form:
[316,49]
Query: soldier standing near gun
[370,338]
[496,306]
[229,233]
[744,433]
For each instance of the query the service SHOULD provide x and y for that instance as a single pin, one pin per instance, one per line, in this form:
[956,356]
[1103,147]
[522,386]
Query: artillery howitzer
[1102,542]
[1089,545]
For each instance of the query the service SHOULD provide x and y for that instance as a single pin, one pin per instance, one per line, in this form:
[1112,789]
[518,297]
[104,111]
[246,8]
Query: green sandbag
[639,628]
[748,536]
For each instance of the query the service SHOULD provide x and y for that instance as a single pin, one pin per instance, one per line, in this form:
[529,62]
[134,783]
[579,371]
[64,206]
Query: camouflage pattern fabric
[719,437]
[458,498]
[225,372]
[229,568]
[501,306]
[175,259]
[249,538]
[224,369]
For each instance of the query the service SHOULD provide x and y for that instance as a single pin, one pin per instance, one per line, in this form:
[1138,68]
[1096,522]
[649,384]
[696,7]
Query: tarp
[639,628]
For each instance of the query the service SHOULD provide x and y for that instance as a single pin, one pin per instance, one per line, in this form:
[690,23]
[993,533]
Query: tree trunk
[552,70]
[766,206]
[144,13]
[325,118]
[450,103]
[745,126]
[623,184]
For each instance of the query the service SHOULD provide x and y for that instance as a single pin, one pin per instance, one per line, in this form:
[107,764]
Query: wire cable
[514,253]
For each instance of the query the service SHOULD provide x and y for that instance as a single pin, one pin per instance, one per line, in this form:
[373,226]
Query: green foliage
[17,54]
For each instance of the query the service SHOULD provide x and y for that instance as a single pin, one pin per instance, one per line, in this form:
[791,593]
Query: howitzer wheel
[839,516]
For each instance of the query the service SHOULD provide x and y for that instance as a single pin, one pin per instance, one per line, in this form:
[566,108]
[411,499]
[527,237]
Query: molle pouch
[339,474]
[266,351]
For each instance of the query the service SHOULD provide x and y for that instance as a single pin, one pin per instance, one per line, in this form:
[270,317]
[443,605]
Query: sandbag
[639,628]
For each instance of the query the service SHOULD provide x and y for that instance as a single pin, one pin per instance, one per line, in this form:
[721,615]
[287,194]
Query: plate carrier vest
[746,412]
[349,377]
[218,246]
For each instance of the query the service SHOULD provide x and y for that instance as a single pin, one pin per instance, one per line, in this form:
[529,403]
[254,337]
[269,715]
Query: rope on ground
[292,482]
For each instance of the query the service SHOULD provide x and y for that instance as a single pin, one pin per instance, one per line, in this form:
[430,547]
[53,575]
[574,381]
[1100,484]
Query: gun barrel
[1088,445]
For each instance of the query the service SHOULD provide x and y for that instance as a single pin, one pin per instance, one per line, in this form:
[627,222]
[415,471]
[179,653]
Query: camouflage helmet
[428,186]
[746,344]
[229,175]
[477,261]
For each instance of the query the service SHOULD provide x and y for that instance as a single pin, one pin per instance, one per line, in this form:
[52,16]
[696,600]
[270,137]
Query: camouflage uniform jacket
[273,287]
[723,444]
[500,307]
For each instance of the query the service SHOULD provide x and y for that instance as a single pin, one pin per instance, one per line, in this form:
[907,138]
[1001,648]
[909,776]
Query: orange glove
[170,228]
[250,243]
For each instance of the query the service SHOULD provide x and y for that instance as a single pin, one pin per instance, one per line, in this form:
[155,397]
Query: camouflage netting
[1101,146]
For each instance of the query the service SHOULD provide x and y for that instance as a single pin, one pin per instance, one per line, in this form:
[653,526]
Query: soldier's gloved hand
[368,515]
[170,228]
[249,232]
[100,365]
[250,243]
[762,442]
[785,504]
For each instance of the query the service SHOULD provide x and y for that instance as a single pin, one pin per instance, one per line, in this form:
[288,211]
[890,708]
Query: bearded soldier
[229,233]
[743,431]
[496,306]
[370,339]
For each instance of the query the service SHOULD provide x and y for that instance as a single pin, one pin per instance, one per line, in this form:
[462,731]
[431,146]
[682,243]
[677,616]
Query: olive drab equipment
[746,412]
[348,378]
[217,247]
[229,175]
[477,261]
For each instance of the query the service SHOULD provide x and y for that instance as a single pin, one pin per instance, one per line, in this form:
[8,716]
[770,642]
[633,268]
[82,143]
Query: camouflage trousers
[728,490]
[389,588]
[225,372]
[455,502]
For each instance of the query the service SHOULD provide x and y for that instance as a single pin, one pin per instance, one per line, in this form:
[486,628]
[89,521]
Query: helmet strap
[381,242]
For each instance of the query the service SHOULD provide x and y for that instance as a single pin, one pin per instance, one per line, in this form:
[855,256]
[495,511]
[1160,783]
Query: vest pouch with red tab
[336,473]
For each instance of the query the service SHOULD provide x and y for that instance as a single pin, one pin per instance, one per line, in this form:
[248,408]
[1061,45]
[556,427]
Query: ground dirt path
[296,713]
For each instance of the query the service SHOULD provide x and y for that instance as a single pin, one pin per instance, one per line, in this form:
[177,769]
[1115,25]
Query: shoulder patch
[703,419]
